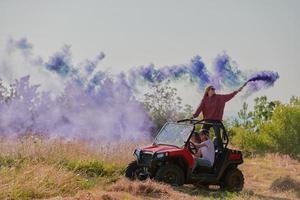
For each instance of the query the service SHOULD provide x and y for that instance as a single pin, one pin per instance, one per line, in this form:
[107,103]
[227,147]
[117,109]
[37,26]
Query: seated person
[196,138]
[206,152]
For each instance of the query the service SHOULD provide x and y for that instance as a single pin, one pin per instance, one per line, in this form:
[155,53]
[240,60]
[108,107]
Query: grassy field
[31,168]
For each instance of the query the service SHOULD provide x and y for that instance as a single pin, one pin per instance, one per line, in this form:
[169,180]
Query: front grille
[145,158]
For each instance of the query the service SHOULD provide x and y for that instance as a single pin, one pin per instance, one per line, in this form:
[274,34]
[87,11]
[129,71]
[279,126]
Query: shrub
[280,133]
[92,168]
[284,130]
[249,141]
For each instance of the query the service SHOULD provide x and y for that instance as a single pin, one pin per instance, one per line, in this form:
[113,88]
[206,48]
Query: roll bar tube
[220,124]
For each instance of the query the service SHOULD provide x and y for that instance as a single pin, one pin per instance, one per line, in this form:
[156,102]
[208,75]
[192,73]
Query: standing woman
[212,106]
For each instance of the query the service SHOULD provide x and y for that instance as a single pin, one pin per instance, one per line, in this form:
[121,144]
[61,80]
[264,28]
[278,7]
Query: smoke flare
[267,76]
[259,80]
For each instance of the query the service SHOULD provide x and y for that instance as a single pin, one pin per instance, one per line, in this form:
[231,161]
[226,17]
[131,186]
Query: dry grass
[264,171]
[147,189]
[31,167]
[38,150]
[125,189]
[36,168]
[36,181]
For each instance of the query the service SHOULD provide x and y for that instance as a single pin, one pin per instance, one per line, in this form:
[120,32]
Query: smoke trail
[195,70]
[268,77]
[262,79]
[21,44]
[109,113]
[17,60]
[60,62]
[91,105]
[225,73]
[88,102]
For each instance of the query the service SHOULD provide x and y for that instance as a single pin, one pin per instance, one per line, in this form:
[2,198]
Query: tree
[276,124]
[263,110]
[163,105]
[6,92]
[245,116]
[284,129]
[295,101]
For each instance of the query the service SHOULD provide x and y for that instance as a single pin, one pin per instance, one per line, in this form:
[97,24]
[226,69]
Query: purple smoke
[108,113]
[261,80]
[89,103]
[268,77]
[60,62]
[226,73]
[19,44]
[195,70]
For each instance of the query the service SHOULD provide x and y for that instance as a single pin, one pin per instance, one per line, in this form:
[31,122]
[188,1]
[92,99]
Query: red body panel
[234,156]
[172,151]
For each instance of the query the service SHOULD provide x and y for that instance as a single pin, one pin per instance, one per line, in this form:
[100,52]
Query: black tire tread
[130,169]
[228,174]
[160,173]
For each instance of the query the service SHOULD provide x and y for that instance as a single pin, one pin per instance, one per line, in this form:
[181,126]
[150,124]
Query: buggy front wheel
[171,174]
[133,172]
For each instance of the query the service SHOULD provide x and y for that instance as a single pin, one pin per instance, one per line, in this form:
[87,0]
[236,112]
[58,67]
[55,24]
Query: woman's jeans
[201,162]
[216,130]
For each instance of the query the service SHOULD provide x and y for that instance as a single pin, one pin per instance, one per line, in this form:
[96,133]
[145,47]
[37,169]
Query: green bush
[284,130]
[250,141]
[280,132]
[9,161]
[92,168]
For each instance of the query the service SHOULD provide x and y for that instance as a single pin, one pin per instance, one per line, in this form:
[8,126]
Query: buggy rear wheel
[171,174]
[234,180]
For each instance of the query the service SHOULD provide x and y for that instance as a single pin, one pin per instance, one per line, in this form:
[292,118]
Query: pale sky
[258,34]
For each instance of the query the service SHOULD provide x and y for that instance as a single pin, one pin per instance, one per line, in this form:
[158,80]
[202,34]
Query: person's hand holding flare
[241,88]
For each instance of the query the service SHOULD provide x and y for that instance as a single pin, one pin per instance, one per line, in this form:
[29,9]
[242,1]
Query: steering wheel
[192,147]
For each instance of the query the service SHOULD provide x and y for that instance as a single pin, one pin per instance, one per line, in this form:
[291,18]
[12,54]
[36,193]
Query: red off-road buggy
[170,158]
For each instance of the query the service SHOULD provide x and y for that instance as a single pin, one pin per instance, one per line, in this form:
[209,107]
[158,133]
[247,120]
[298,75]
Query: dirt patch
[146,188]
[104,196]
[284,184]
[100,195]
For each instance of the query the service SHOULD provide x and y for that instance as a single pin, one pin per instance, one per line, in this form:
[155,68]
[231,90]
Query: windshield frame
[155,142]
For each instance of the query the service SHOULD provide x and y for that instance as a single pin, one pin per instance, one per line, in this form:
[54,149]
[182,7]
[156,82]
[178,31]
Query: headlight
[161,155]
[137,153]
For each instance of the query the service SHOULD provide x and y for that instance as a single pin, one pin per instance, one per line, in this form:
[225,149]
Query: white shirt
[208,151]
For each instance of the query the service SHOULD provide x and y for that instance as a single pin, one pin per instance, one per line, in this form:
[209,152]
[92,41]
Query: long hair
[206,90]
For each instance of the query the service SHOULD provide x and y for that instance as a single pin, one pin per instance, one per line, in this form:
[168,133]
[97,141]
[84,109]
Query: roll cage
[219,131]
